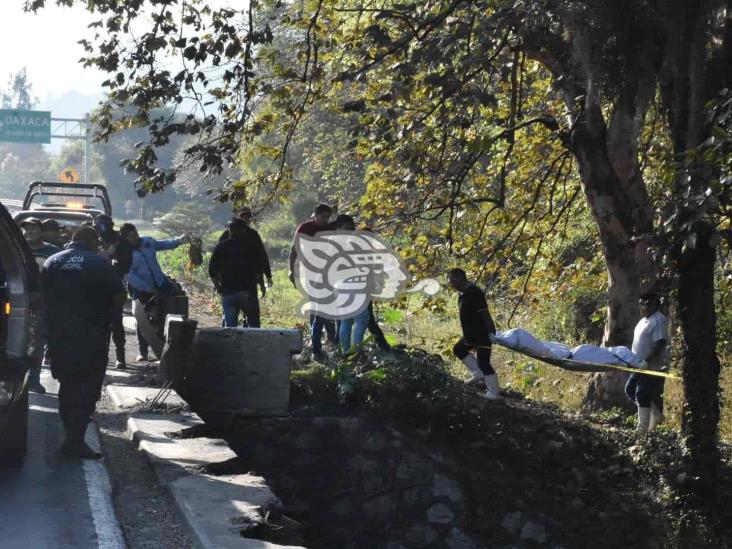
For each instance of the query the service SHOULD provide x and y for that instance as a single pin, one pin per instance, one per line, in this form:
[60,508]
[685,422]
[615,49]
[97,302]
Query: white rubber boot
[491,387]
[657,417]
[471,363]
[644,418]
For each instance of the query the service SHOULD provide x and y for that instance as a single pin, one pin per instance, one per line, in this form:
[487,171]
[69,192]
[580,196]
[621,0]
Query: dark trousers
[118,334]
[376,331]
[482,352]
[141,342]
[645,390]
[77,398]
[317,323]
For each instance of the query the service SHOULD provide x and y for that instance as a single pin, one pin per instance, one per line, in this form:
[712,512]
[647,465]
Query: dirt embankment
[393,452]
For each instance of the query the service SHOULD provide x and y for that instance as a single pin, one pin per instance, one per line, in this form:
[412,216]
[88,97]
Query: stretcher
[571,364]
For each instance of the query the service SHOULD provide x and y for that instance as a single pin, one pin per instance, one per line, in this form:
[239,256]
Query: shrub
[578,317]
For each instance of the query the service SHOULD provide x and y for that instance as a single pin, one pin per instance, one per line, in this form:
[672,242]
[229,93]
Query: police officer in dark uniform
[81,291]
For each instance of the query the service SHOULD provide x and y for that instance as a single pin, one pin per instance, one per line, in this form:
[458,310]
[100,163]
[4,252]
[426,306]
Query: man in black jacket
[478,327]
[238,265]
[118,253]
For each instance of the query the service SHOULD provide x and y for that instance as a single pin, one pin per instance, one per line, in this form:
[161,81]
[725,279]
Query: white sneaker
[490,395]
[142,358]
[644,419]
[656,418]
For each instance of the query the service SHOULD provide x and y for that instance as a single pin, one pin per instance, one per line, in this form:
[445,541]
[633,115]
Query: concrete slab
[128,396]
[120,375]
[152,426]
[129,323]
[191,453]
[175,457]
[233,503]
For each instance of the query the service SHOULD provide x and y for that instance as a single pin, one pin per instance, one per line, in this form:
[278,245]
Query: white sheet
[523,341]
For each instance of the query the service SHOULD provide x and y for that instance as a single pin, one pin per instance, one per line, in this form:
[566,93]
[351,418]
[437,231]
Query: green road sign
[25,126]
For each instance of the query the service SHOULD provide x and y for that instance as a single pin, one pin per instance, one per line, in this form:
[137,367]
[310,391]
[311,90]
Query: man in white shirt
[650,343]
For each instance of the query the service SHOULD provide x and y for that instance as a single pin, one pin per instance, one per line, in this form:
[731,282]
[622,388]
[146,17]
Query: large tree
[439,93]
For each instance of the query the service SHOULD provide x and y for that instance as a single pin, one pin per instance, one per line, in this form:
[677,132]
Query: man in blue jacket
[81,290]
[145,277]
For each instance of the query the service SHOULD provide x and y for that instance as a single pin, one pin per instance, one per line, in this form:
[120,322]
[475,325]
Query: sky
[46,43]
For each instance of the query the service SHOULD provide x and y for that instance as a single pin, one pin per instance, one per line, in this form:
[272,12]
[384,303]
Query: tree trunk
[694,72]
[700,366]
[622,212]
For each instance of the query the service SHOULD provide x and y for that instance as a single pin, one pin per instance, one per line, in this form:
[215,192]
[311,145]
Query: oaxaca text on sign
[25,126]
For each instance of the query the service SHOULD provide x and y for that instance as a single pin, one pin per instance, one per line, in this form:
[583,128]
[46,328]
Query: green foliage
[19,92]
[277,232]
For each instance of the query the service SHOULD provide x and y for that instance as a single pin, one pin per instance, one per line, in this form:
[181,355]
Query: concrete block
[245,371]
[233,503]
[175,360]
[127,396]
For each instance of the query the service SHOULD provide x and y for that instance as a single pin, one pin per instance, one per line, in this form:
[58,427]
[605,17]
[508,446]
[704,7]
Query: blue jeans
[354,326]
[317,323]
[245,301]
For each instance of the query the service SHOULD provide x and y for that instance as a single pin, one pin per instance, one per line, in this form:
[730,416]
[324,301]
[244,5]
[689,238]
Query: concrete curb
[129,323]
[217,509]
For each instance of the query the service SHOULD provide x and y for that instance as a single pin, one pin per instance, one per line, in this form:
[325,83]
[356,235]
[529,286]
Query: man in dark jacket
[81,291]
[478,327]
[237,266]
[118,253]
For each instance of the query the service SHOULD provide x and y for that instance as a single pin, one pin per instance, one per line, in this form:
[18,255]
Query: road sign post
[18,126]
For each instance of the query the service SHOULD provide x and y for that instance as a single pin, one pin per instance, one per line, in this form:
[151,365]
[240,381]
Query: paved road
[51,502]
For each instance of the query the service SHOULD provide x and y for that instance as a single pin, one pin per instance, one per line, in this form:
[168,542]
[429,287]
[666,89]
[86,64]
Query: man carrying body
[32,231]
[650,344]
[118,253]
[478,327]
[81,290]
[238,265]
[145,277]
[320,222]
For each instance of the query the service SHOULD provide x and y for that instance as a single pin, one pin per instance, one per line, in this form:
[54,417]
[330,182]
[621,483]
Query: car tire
[15,440]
